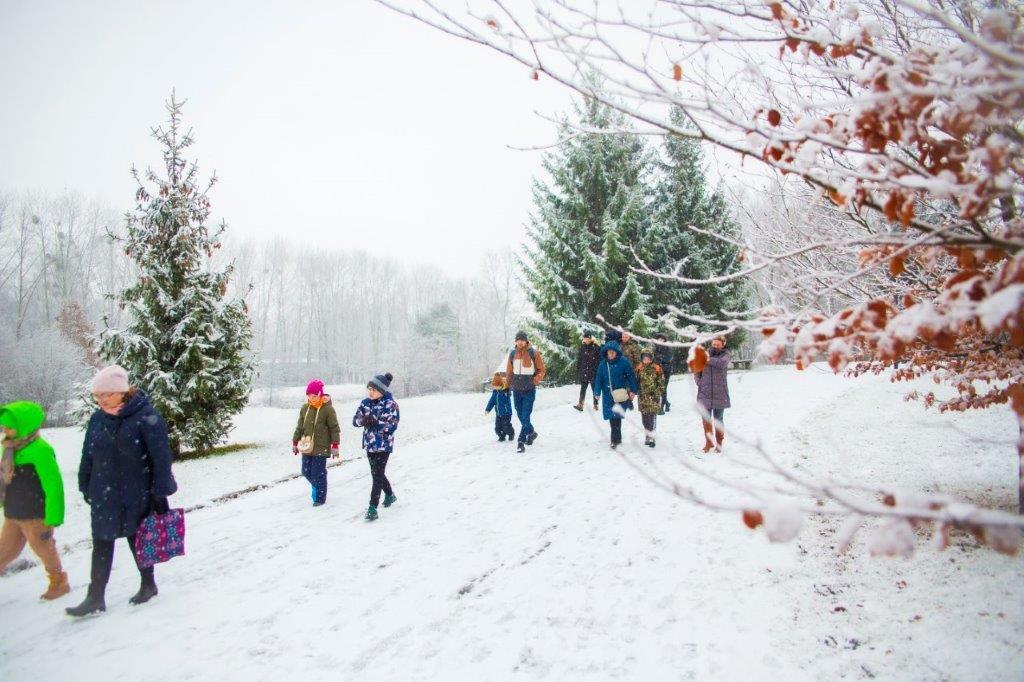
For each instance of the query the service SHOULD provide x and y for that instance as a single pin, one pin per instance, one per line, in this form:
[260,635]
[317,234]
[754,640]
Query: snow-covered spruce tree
[586,222]
[186,344]
[682,198]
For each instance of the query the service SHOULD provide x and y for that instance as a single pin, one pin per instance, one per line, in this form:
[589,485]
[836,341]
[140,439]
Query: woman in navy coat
[615,372]
[125,475]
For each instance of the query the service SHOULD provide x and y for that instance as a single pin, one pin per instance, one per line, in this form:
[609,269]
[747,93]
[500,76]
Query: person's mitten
[369,421]
[295,447]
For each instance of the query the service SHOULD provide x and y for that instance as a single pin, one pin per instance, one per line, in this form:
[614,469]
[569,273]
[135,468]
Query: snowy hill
[562,563]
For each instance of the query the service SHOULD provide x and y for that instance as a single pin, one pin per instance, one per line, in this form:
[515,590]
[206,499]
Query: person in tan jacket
[525,370]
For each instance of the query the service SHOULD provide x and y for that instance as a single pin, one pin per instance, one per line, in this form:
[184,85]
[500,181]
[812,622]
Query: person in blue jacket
[501,403]
[124,475]
[378,416]
[615,382]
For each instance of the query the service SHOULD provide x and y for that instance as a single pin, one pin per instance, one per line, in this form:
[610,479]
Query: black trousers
[616,423]
[103,560]
[650,421]
[378,461]
[503,426]
[664,392]
[584,385]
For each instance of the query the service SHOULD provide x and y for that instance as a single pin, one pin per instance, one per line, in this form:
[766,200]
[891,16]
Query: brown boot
[58,586]
[720,436]
[579,406]
[709,445]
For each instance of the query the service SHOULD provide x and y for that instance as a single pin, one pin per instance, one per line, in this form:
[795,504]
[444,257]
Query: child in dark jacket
[378,416]
[501,403]
[31,492]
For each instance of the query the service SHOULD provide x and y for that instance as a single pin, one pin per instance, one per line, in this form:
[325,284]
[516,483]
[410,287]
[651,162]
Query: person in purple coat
[713,393]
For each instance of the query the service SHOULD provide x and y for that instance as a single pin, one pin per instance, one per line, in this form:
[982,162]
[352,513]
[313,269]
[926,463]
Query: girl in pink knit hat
[317,436]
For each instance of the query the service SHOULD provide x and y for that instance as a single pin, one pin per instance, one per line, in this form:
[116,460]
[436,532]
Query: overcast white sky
[338,123]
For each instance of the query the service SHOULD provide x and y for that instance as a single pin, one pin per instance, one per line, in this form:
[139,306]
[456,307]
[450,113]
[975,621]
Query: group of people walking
[125,470]
[317,436]
[616,373]
[125,474]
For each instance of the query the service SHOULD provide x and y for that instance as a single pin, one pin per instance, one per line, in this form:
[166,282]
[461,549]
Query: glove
[160,505]
[335,452]
[369,421]
[295,447]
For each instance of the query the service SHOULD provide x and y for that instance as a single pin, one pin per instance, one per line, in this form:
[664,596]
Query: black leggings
[378,460]
[103,560]
[650,421]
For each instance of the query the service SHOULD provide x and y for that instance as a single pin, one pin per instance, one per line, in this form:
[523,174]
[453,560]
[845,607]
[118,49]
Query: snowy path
[560,564]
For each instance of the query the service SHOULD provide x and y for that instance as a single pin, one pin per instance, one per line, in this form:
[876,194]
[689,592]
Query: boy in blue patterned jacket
[378,416]
[501,403]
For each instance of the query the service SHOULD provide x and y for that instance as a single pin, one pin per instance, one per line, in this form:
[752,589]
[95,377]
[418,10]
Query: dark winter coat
[652,385]
[713,381]
[611,375]
[663,355]
[321,424]
[587,361]
[502,401]
[379,437]
[524,369]
[126,462]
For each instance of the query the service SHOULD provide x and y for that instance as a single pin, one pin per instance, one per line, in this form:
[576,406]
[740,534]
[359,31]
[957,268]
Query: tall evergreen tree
[682,198]
[587,221]
[186,344]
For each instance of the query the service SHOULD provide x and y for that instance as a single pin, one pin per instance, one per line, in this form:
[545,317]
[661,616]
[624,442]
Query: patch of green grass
[219,450]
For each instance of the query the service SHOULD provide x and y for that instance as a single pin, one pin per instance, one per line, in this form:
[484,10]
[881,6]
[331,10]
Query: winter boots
[532,437]
[390,500]
[720,436]
[371,513]
[146,591]
[521,447]
[578,406]
[93,603]
[58,586]
[597,404]
[709,445]
[649,441]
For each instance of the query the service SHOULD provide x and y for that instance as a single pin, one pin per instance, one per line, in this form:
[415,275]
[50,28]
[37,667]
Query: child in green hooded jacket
[31,492]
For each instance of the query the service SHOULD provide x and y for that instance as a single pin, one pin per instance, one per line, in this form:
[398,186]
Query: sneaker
[532,437]
[597,405]
[650,443]
[371,513]
[521,447]
[614,445]
[390,500]
[318,504]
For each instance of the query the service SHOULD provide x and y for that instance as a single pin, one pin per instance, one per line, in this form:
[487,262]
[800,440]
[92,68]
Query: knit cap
[113,379]
[315,387]
[381,382]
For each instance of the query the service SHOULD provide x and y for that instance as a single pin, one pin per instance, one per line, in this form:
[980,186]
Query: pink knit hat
[315,387]
[113,379]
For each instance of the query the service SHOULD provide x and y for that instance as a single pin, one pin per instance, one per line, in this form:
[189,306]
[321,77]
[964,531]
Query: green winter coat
[631,349]
[652,384]
[323,427]
[26,418]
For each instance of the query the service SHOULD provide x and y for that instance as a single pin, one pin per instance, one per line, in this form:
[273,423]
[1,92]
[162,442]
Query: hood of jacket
[22,416]
[611,345]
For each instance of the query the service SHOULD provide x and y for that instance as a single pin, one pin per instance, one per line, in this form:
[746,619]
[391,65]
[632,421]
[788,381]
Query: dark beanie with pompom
[381,382]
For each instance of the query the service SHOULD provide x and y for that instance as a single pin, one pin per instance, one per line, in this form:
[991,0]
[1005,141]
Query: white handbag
[619,395]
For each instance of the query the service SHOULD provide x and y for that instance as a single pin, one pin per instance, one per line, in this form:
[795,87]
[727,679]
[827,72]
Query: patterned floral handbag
[160,537]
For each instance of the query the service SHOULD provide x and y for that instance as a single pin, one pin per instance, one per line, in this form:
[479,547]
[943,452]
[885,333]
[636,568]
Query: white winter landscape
[560,564]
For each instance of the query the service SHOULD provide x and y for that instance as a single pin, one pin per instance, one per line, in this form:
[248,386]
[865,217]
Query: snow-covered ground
[563,563]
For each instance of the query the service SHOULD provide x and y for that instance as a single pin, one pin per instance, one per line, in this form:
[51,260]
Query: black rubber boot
[147,590]
[94,603]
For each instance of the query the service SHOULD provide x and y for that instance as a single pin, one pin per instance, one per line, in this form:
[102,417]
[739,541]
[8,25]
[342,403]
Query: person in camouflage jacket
[652,385]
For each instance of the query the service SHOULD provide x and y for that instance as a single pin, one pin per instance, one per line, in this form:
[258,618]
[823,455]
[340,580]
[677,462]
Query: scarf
[7,460]
[316,402]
